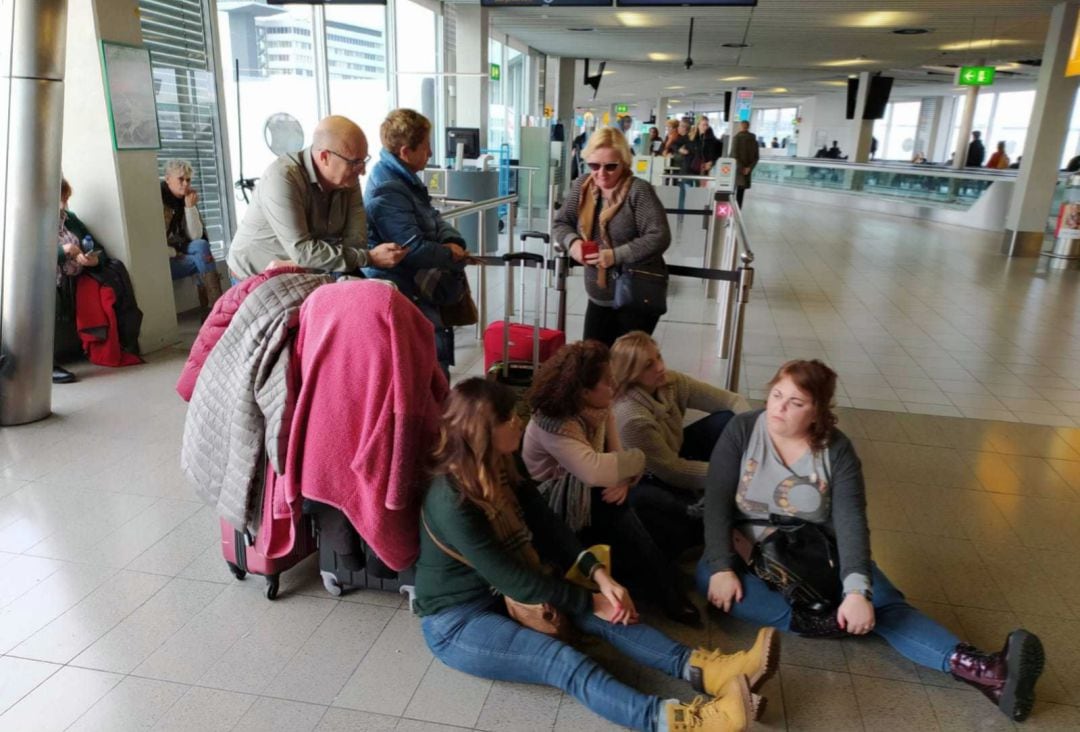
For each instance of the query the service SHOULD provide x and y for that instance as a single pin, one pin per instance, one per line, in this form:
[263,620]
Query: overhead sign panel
[545,3]
[1072,68]
[975,76]
[687,3]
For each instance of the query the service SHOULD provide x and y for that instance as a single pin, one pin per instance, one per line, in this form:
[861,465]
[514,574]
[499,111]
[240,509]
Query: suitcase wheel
[330,582]
[271,587]
[236,571]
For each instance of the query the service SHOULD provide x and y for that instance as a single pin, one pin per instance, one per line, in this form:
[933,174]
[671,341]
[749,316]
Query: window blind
[177,36]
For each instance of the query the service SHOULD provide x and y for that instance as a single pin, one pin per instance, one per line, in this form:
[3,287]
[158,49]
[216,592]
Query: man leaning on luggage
[308,209]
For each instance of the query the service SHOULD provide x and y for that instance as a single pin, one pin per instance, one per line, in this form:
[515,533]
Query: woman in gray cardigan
[789,461]
[626,220]
[650,410]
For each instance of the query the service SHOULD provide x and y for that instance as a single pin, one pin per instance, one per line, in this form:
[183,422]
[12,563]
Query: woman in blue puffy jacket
[399,209]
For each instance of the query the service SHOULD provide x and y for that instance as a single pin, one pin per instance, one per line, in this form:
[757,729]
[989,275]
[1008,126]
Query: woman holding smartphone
[399,209]
[614,224]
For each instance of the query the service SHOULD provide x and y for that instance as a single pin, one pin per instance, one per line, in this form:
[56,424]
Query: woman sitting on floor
[650,407]
[786,468]
[573,449]
[484,529]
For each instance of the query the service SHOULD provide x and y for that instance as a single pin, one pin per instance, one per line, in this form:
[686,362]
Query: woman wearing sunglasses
[614,224]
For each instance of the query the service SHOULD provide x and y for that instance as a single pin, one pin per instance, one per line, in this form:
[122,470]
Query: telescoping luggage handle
[556,276]
[509,260]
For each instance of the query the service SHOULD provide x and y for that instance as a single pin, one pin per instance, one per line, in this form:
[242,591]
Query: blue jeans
[474,638]
[914,635]
[198,261]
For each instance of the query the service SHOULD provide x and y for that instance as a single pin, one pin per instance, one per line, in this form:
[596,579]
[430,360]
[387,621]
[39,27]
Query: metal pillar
[32,79]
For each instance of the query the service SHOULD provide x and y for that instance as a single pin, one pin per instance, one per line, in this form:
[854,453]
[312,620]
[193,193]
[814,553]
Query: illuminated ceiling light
[980,43]
[674,101]
[674,87]
[878,19]
[848,62]
[608,72]
[634,20]
[735,78]
[834,83]
[778,90]
[657,56]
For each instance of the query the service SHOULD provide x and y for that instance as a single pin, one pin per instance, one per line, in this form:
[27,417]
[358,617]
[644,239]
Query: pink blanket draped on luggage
[366,416]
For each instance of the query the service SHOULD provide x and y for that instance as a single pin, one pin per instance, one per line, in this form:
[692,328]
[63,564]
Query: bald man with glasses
[308,209]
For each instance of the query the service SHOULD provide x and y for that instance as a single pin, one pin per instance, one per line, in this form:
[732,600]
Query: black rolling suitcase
[347,562]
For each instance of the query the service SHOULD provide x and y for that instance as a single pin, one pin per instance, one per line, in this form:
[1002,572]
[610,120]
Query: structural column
[863,132]
[564,112]
[472,68]
[1049,126]
[33,88]
[963,138]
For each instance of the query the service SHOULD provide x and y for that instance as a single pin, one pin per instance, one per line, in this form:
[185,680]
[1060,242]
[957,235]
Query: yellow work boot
[731,711]
[711,670]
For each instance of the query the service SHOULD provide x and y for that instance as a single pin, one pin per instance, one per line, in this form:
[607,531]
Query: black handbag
[798,559]
[641,291]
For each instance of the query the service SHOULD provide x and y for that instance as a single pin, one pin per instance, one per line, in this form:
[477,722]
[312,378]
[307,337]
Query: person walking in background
[655,143]
[704,148]
[185,234]
[744,148]
[611,222]
[976,151]
[999,160]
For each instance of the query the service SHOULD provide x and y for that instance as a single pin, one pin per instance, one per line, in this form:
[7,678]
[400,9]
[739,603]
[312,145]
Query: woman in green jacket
[488,533]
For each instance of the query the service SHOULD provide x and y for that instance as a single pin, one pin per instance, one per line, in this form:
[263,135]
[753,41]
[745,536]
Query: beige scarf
[507,520]
[587,213]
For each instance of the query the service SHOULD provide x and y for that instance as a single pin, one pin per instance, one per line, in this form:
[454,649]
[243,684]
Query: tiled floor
[117,612]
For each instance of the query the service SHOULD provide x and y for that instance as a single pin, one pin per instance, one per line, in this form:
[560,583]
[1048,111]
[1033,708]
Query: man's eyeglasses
[608,167]
[351,162]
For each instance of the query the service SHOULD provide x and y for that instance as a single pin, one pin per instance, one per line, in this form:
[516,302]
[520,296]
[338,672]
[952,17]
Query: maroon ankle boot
[1007,677]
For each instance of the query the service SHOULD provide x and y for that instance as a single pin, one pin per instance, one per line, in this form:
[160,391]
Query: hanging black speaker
[877,97]
[727,106]
[852,96]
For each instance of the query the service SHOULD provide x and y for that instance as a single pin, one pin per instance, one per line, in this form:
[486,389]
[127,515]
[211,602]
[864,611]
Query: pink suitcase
[239,551]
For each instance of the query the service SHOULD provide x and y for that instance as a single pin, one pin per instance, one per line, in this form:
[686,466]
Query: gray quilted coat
[240,404]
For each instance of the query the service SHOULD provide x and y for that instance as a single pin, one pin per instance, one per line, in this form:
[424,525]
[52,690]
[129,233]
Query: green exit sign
[975,76]
[622,108]
[496,72]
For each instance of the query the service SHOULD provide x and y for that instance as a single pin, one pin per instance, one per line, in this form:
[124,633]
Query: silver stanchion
[746,281]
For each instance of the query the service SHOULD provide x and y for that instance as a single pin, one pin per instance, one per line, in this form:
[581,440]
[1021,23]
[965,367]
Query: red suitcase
[238,548]
[520,338]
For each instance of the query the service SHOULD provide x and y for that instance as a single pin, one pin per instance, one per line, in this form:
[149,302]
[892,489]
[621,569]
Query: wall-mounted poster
[129,83]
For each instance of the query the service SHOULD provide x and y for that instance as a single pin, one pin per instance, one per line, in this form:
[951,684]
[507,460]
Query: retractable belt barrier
[676,270]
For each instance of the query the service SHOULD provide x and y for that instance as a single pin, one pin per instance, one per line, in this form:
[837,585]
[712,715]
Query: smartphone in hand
[589,249]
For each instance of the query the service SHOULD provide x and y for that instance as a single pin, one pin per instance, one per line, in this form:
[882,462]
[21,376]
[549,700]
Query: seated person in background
[788,462]
[919,158]
[1015,165]
[485,529]
[75,250]
[1000,159]
[650,407]
[185,234]
[307,209]
[833,152]
[822,153]
[399,209]
[572,447]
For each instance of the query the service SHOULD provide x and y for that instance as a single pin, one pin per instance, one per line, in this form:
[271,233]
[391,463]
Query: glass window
[418,63]
[187,104]
[1072,142]
[1011,119]
[897,140]
[776,123]
[984,109]
[269,85]
[358,86]
[497,134]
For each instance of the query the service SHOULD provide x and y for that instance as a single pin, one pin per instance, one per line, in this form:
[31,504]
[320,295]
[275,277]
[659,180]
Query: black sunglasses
[608,167]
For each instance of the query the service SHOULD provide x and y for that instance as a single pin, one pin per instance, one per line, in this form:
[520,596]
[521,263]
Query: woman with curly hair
[786,467]
[485,528]
[572,447]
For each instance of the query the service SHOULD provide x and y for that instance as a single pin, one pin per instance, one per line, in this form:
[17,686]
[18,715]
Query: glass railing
[938,185]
